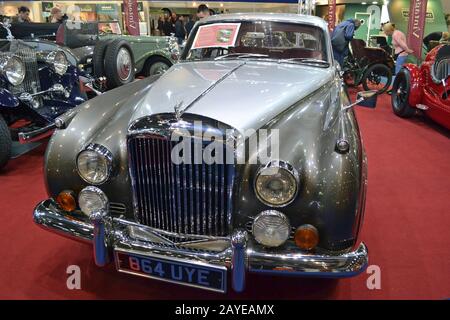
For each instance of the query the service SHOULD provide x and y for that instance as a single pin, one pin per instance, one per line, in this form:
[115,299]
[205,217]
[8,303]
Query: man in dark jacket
[180,31]
[189,25]
[341,36]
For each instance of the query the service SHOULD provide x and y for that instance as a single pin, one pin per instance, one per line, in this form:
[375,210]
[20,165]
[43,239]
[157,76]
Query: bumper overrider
[111,237]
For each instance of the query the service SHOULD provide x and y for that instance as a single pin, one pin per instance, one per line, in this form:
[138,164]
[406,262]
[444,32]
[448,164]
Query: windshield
[257,40]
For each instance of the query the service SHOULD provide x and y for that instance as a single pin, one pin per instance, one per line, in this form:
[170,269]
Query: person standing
[23,15]
[168,26]
[56,15]
[341,36]
[203,12]
[180,31]
[401,49]
[189,25]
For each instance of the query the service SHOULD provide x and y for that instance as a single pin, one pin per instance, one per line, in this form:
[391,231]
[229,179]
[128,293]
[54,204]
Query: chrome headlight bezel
[103,154]
[286,168]
[100,198]
[260,231]
[6,63]
[58,62]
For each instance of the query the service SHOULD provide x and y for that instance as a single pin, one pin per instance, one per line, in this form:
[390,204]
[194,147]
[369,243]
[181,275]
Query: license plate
[198,275]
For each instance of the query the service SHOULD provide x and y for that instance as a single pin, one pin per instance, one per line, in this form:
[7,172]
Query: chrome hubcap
[124,64]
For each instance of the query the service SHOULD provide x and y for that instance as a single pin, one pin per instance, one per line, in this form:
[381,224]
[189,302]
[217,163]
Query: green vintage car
[102,51]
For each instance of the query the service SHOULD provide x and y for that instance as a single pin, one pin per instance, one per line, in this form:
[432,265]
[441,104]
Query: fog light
[271,228]
[306,237]
[92,199]
[66,200]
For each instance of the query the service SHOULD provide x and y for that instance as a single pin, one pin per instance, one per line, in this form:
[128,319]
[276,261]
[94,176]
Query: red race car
[425,87]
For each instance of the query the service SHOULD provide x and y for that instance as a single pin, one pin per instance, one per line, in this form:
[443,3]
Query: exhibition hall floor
[406,229]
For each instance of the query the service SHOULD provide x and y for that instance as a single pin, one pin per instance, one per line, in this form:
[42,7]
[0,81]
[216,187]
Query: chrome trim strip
[204,93]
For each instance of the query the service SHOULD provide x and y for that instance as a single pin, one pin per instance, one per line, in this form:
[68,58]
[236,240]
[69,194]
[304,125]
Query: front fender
[414,77]
[331,184]
[7,99]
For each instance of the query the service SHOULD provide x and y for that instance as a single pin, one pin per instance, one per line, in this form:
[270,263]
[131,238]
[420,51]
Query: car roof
[279,17]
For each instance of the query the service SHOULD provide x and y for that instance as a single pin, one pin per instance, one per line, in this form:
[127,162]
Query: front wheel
[377,77]
[156,66]
[5,143]
[400,95]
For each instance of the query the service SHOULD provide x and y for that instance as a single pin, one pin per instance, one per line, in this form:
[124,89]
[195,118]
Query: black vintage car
[36,86]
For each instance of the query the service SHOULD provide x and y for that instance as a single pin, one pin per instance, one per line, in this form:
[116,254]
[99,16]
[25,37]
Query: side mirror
[364,99]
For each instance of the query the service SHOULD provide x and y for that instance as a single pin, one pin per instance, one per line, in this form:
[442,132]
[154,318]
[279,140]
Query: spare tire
[119,64]
[98,58]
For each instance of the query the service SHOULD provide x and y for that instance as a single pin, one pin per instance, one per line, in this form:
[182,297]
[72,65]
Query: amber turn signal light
[66,200]
[306,237]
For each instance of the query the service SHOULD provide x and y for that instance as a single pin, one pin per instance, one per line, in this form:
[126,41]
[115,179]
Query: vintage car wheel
[349,78]
[5,143]
[156,66]
[377,77]
[119,56]
[99,58]
[400,95]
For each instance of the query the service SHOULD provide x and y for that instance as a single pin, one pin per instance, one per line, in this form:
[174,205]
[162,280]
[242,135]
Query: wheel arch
[414,77]
[149,59]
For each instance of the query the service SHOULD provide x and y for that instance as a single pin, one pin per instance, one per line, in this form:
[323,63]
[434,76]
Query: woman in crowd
[401,49]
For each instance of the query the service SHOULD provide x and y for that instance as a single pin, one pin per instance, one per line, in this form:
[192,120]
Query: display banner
[131,17]
[108,12]
[331,14]
[416,25]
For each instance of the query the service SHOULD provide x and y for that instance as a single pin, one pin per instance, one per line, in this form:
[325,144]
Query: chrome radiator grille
[31,83]
[182,198]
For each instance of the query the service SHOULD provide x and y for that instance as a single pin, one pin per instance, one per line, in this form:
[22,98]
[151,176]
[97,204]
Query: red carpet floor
[406,229]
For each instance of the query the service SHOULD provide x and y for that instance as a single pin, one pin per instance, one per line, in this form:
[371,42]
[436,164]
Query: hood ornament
[178,111]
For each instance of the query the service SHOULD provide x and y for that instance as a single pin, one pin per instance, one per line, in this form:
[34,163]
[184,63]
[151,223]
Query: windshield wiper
[307,60]
[240,55]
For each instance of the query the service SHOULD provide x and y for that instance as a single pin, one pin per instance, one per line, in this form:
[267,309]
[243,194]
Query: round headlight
[59,62]
[271,228]
[94,164]
[276,184]
[13,69]
[92,199]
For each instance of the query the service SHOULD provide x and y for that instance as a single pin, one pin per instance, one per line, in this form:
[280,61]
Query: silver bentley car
[244,157]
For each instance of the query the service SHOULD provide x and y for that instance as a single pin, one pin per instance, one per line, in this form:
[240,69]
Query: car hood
[242,94]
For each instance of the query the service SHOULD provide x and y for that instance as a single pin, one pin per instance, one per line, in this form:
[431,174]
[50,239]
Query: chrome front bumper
[241,255]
